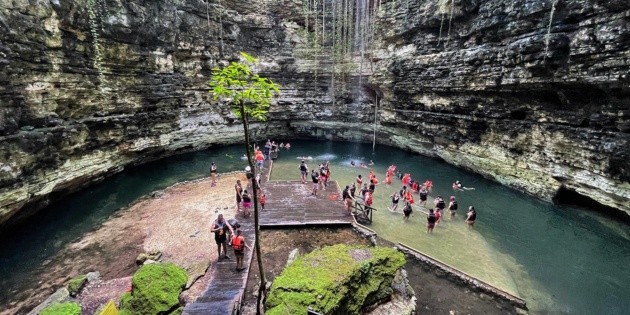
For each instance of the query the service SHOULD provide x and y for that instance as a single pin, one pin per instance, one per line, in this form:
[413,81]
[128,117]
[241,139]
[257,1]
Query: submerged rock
[338,279]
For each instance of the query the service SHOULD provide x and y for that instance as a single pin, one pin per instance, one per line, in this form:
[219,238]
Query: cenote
[560,259]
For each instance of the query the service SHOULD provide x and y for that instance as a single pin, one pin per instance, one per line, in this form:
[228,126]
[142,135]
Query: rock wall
[89,87]
[535,101]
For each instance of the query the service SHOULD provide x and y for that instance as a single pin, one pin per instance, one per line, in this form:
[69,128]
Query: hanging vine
[94,8]
[548,35]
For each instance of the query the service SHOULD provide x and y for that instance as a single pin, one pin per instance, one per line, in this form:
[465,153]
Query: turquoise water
[559,259]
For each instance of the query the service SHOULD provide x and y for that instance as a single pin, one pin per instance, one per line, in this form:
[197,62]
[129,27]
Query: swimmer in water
[363,165]
[458,186]
[352,164]
[371,162]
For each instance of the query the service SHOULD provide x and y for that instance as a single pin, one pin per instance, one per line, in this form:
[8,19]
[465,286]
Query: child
[239,245]
[263,200]
[431,220]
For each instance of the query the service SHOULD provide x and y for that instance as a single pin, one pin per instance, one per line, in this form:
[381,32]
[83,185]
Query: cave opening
[570,197]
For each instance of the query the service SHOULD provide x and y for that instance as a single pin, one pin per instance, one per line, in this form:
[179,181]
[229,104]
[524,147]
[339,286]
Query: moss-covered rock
[76,284]
[156,289]
[338,279]
[69,308]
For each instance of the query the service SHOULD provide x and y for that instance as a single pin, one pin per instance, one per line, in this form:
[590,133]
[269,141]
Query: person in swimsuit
[440,205]
[407,211]
[471,216]
[315,178]
[247,204]
[423,196]
[431,221]
[303,171]
[213,174]
[353,190]
[239,194]
[220,227]
[352,164]
[347,199]
[452,207]
[359,180]
[438,215]
[395,198]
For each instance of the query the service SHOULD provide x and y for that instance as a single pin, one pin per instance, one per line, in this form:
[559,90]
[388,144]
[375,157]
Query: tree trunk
[261,270]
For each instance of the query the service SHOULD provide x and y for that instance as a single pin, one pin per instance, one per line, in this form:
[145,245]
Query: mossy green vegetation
[339,279]
[68,308]
[156,289]
[76,284]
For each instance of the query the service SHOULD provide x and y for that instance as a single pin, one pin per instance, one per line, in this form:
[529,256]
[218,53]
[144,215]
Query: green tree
[250,96]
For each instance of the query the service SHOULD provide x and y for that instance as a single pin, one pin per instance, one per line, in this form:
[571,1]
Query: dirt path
[175,221]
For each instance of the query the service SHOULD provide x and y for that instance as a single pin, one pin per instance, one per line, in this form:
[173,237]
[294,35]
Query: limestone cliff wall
[490,95]
[89,87]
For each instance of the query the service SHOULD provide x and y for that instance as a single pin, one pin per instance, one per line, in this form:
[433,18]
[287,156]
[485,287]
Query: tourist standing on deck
[431,220]
[239,245]
[220,227]
[347,198]
[471,216]
[213,173]
[303,171]
[239,194]
[247,204]
[315,178]
[262,200]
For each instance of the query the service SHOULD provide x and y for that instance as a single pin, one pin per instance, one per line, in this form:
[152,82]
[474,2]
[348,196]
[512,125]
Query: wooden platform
[289,203]
[225,291]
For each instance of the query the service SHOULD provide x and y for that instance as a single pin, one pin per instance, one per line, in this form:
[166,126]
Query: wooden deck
[225,290]
[290,203]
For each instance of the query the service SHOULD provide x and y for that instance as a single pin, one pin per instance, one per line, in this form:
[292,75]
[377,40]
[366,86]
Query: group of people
[319,176]
[224,235]
[405,194]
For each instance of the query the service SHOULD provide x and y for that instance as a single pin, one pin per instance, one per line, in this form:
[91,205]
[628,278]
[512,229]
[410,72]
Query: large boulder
[339,279]
[156,289]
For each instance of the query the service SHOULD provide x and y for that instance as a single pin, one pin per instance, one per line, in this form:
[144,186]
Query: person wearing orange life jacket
[409,197]
[428,184]
[260,158]
[406,179]
[239,245]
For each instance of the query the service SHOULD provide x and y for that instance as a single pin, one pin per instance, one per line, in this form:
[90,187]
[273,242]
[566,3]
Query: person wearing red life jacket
[239,245]
[368,198]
